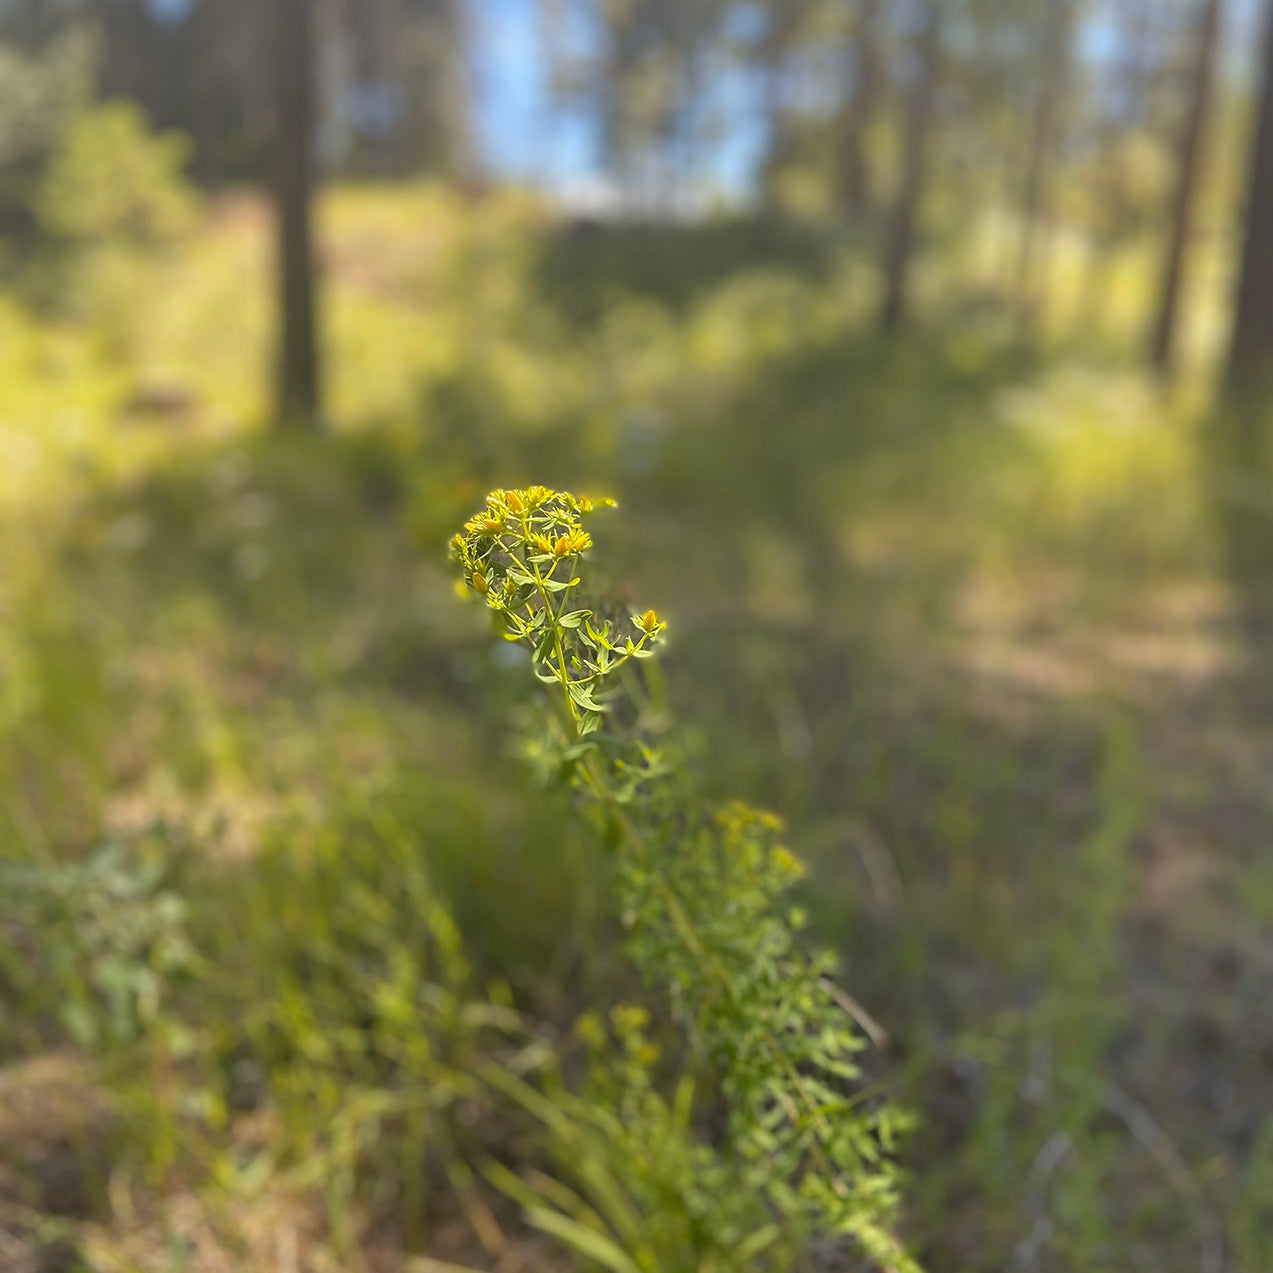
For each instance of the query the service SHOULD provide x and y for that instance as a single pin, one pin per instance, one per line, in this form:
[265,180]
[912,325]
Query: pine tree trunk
[914,165]
[298,373]
[1251,349]
[864,61]
[1056,42]
[1162,349]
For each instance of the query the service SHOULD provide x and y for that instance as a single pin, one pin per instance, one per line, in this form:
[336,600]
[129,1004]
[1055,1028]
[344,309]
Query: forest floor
[988,629]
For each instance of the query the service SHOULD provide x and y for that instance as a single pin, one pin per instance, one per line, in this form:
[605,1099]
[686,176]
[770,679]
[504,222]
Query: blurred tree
[395,102]
[782,24]
[643,78]
[865,74]
[1251,347]
[221,54]
[132,63]
[1054,56]
[399,95]
[111,180]
[1162,349]
[298,371]
[1116,94]
[897,262]
[42,89]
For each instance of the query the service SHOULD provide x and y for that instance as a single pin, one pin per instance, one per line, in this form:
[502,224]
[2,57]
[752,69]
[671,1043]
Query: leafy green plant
[1253,1221]
[112,180]
[702,895]
[112,938]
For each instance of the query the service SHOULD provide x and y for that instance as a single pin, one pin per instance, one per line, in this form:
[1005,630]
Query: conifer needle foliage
[800,1155]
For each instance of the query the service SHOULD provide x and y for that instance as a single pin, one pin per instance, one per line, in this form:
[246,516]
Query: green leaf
[544,646]
[582,694]
[586,1241]
[573,619]
[752,1246]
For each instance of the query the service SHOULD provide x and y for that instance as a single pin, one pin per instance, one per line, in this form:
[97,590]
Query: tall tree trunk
[1162,348]
[775,124]
[864,61]
[298,373]
[1251,348]
[1056,44]
[914,166]
[129,65]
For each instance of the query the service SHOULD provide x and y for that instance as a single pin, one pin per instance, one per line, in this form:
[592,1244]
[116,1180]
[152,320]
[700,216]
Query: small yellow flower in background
[787,862]
[514,501]
[628,1019]
[561,547]
[541,542]
[649,623]
[491,525]
[590,1030]
[535,496]
[479,583]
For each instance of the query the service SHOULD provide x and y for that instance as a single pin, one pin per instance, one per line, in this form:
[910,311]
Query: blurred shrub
[587,266]
[39,95]
[112,180]
[111,936]
[110,200]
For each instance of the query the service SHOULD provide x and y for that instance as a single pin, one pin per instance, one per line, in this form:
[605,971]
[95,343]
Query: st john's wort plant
[770,1052]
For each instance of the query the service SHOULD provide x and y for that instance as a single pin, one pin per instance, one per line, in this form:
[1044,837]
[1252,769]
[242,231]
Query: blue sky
[522,134]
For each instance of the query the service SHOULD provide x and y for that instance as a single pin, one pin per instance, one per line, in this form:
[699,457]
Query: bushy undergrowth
[703,896]
[274,884]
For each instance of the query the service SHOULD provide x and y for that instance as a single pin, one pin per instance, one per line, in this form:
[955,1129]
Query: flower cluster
[520,554]
[703,896]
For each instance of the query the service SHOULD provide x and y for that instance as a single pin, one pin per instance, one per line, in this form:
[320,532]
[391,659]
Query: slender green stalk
[702,895]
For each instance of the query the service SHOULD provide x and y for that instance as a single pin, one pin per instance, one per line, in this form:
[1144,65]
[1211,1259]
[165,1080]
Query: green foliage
[929,600]
[1253,1224]
[637,1187]
[704,900]
[111,180]
[112,938]
[39,97]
